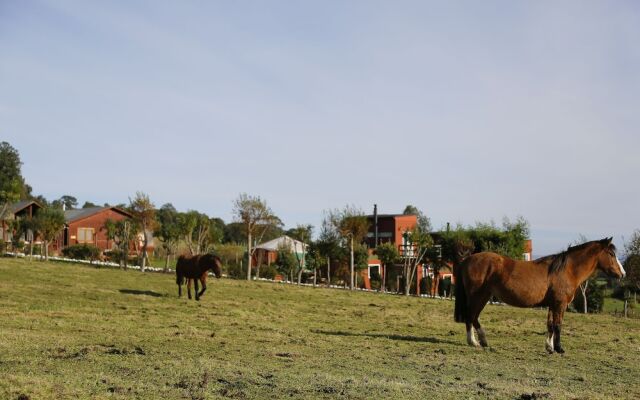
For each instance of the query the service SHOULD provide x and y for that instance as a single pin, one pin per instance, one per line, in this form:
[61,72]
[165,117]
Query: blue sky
[471,111]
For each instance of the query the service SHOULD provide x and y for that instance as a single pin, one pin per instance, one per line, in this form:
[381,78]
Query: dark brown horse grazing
[196,268]
[546,282]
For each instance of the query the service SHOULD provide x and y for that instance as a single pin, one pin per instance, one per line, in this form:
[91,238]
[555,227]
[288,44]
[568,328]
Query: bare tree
[584,286]
[256,217]
[417,244]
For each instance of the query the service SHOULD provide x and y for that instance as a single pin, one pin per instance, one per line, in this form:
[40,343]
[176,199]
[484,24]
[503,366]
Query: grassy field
[72,331]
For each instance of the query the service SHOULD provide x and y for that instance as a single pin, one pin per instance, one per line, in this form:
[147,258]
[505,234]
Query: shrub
[81,252]
[268,272]
[235,270]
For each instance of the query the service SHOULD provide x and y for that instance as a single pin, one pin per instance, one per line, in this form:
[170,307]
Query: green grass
[74,331]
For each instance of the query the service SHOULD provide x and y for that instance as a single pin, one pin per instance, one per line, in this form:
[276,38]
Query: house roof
[81,213]
[22,204]
[295,246]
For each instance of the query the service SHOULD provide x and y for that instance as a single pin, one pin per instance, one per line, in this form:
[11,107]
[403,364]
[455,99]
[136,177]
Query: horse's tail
[460,312]
[179,275]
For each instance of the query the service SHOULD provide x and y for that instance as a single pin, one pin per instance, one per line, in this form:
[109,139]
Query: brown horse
[196,268]
[550,281]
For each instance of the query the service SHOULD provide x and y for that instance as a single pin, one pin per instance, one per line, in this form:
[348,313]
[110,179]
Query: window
[85,235]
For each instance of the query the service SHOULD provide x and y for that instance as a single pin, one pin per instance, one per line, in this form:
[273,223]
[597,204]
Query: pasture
[76,331]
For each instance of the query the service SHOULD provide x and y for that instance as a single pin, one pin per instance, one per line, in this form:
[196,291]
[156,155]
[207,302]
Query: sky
[471,111]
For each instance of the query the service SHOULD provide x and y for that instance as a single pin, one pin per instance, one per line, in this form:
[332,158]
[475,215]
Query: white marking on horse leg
[621,268]
[483,337]
[549,343]
[471,339]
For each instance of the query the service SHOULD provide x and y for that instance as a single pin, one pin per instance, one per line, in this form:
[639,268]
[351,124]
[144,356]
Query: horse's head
[217,266]
[214,264]
[608,261]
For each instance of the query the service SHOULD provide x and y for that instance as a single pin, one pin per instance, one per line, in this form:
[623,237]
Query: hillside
[72,331]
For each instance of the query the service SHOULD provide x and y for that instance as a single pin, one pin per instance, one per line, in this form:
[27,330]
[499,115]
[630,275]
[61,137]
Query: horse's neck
[583,263]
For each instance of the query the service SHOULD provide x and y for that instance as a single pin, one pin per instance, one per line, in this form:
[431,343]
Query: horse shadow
[408,338]
[142,292]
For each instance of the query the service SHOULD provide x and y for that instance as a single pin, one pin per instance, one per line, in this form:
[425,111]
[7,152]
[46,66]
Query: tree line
[335,253]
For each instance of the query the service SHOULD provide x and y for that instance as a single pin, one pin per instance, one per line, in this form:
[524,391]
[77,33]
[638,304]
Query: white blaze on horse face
[621,268]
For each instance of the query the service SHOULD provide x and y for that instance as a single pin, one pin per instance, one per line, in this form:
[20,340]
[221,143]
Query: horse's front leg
[549,340]
[195,282]
[203,280]
[189,288]
[558,315]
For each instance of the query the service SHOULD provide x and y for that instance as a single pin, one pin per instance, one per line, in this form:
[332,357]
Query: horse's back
[481,266]
[519,283]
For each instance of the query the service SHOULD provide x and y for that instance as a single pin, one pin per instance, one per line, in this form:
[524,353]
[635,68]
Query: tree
[256,217]
[121,232]
[302,233]
[328,244]
[388,255]
[12,185]
[18,228]
[353,226]
[89,204]
[632,262]
[286,261]
[423,221]
[67,202]
[168,230]
[216,231]
[144,213]
[194,228]
[417,245]
[48,223]
[234,233]
[584,286]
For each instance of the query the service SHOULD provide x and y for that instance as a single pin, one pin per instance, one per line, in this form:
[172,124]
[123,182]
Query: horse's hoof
[559,350]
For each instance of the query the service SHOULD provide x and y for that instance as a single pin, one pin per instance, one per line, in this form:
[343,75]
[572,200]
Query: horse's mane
[559,261]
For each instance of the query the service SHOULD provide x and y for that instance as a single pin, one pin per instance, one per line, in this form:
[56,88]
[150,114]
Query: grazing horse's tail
[460,313]
[179,273]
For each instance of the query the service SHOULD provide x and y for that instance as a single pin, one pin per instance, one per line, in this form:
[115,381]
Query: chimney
[375,225]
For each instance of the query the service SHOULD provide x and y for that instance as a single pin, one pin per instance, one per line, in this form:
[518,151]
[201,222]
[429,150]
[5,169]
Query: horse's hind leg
[474,312]
[195,282]
[558,314]
[471,339]
[189,288]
